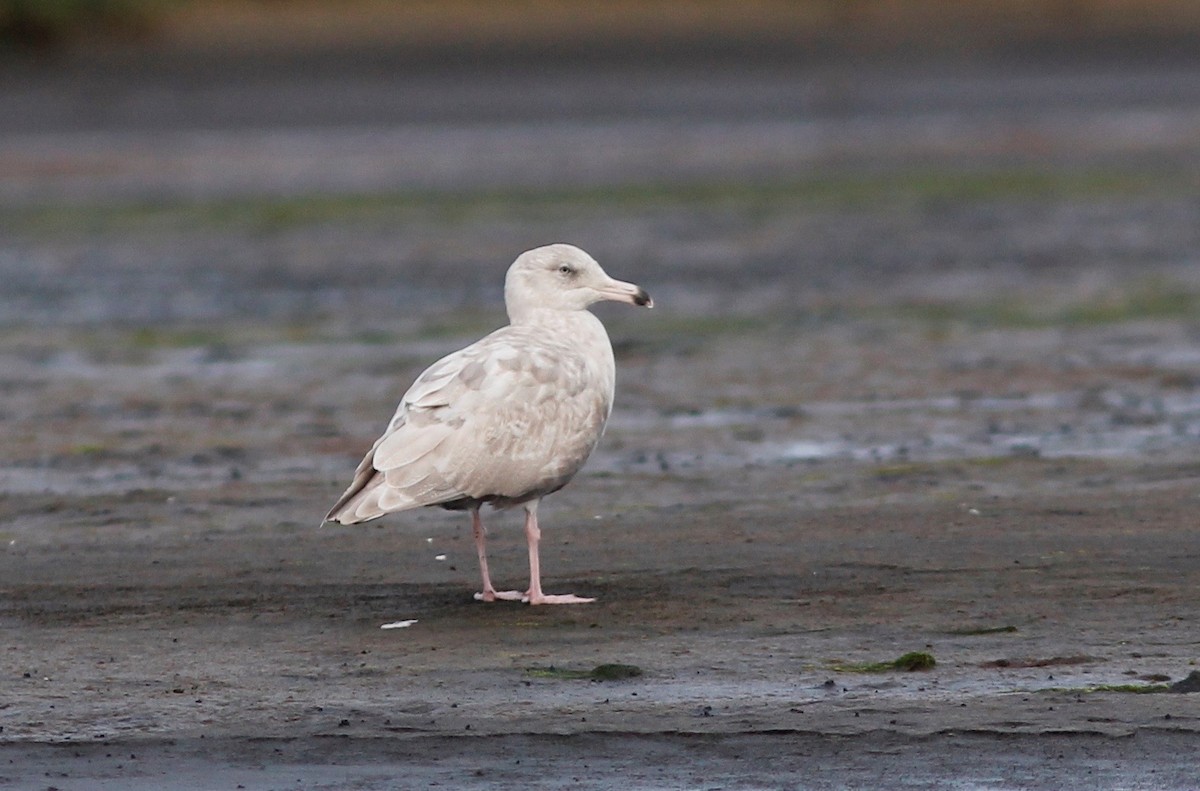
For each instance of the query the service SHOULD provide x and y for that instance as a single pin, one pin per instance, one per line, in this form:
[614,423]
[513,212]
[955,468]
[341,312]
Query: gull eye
[565,269]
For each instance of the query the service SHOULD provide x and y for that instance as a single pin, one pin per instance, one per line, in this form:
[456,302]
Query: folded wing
[512,416]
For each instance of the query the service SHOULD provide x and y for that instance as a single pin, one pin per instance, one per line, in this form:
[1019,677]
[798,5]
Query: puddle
[1088,425]
[1107,425]
[122,478]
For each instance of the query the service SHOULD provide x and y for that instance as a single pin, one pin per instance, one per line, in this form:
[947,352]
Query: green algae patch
[1187,685]
[983,630]
[611,671]
[1127,689]
[912,662]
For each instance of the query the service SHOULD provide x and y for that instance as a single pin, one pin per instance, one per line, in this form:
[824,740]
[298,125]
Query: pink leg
[534,595]
[489,593]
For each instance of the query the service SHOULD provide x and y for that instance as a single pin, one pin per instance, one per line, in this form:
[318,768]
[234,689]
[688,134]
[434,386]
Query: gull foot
[564,598]
[500,596]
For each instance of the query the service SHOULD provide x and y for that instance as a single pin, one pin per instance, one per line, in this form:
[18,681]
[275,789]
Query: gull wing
[512,416]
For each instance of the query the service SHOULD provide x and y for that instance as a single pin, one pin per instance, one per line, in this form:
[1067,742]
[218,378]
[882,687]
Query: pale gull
[510,418]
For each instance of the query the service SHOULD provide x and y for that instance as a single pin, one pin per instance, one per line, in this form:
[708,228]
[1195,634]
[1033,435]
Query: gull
[510,418]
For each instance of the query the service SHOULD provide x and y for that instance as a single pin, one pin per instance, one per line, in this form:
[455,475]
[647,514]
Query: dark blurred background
[572,28]
[231,158]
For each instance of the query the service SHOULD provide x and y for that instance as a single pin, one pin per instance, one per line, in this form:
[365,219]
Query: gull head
[563,277]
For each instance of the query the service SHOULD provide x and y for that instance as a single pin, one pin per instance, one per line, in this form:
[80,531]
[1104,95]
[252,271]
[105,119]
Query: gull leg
[534,595]
[489,593]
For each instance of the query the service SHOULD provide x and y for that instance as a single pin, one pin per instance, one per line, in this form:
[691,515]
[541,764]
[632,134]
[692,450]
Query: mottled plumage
[510,418]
